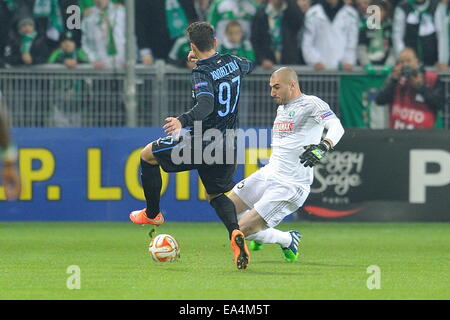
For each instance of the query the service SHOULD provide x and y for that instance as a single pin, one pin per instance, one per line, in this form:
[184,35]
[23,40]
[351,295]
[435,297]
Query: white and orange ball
[164,248]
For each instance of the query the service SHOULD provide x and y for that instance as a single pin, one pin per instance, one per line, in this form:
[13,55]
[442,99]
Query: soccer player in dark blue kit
[216,84]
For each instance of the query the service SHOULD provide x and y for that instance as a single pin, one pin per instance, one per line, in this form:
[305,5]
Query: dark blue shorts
[217,178]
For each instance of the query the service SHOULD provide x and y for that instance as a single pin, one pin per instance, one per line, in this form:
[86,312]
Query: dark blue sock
[226,211]
[152,184]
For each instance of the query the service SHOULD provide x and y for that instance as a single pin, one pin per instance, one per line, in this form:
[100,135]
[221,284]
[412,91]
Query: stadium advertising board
[384,175]
[93,175]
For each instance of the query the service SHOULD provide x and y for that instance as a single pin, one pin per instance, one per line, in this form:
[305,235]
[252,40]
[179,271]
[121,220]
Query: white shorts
[272,199]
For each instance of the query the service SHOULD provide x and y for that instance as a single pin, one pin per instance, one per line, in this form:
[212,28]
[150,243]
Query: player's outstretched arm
[314,153]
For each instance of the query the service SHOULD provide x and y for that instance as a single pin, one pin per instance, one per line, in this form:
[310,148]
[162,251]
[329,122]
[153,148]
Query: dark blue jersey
[220,76]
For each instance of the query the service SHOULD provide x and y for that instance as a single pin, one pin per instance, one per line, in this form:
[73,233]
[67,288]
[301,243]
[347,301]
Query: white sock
[271,235]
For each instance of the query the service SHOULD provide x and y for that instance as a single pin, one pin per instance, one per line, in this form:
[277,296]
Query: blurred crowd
[323,34]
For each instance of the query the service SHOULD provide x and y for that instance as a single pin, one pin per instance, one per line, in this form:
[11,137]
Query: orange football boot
[240,250]
[140,217]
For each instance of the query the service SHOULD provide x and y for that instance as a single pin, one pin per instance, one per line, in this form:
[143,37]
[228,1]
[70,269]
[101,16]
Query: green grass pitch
[414,260]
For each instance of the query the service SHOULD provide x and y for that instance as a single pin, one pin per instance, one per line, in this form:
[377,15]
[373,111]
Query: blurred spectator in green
[223,11]
[103,37]
[178,54]
[67,101]
[68,53]
[234,42]
[274,33]
[49,18]
[375,42]
[159,23]
[414,27]
[25,45]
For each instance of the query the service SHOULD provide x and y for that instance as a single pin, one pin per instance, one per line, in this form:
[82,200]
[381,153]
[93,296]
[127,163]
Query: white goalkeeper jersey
[298,123]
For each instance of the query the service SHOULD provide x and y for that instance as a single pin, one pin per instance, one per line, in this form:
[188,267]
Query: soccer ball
[164,248]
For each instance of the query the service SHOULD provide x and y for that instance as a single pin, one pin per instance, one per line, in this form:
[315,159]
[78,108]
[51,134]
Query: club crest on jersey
[291,114]
[201,84]
[327,114]
[283,126]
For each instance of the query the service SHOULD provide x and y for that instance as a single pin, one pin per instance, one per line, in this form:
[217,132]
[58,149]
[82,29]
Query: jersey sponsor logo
[327,114]
[283,126]
[224,71]
[201,84]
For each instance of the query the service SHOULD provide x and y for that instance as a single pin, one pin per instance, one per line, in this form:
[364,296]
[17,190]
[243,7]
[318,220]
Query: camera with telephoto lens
[408,72]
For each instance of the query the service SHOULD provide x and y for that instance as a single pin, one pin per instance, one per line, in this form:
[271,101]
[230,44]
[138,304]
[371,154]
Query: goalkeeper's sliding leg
[255,228]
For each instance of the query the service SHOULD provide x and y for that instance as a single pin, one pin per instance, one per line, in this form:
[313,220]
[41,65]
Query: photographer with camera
[413,94]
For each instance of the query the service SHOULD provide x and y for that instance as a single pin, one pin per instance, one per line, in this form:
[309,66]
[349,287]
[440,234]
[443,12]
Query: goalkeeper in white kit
[281,187]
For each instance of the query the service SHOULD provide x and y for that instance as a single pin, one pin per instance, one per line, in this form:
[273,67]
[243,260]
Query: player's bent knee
[147,154]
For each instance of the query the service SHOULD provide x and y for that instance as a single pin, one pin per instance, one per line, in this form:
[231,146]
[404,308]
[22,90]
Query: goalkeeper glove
[314,153]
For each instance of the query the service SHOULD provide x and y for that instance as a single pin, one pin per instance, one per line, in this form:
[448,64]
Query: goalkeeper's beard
[278,100]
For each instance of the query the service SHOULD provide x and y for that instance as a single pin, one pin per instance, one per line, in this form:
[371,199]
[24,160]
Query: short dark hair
[202,35]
